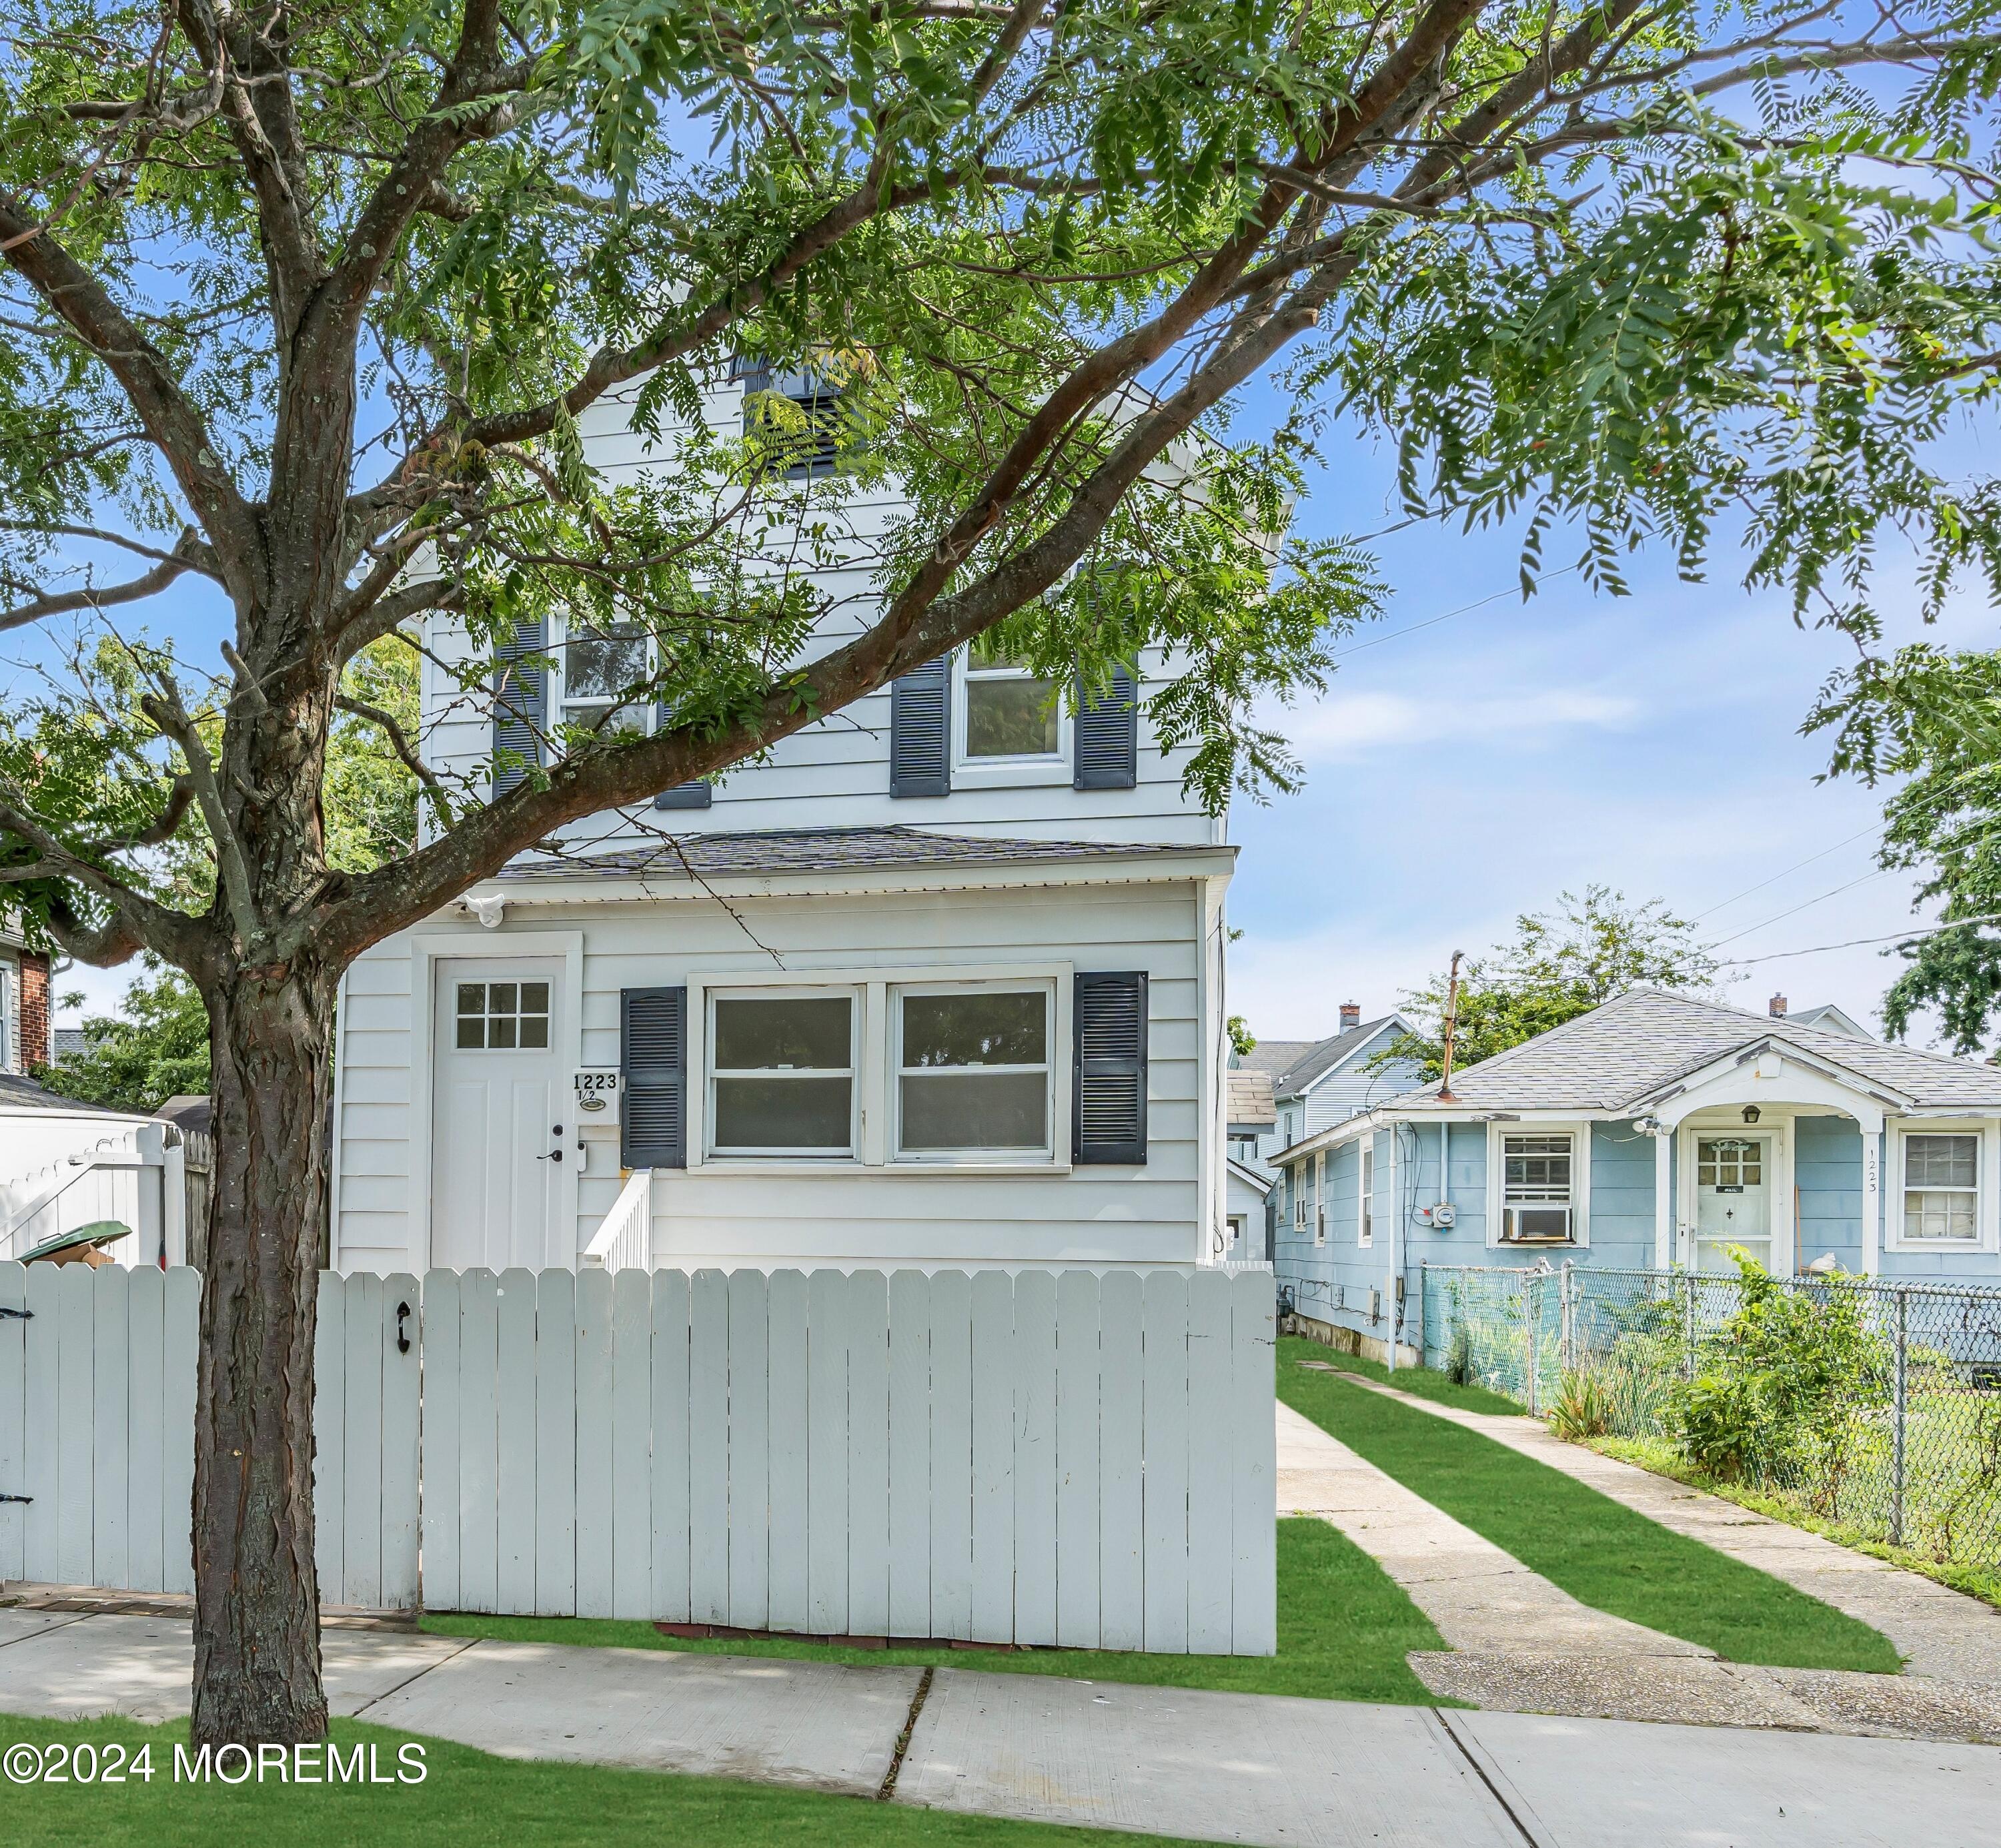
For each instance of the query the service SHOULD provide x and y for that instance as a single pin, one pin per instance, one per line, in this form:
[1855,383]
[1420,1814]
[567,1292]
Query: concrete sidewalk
[1212,1766]
[1939,1632]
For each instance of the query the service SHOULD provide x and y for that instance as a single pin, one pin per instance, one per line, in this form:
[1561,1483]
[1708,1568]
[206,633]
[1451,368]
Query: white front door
[501,1139]
[1733,1200]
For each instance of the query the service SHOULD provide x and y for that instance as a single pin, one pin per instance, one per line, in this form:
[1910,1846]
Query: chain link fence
[1901,1383]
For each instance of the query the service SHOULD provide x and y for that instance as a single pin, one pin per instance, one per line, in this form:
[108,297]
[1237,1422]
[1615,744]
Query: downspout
[1396,1230]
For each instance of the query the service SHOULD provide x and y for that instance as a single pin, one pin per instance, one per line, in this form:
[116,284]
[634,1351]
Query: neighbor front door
[1733,1200]
[501,1135]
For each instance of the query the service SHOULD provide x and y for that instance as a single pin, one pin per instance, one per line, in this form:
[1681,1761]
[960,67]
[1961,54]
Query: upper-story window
[1011,711]
[596,665]
[801,432]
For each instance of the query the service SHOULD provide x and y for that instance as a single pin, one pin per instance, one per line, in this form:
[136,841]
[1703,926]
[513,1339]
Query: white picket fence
[1053,1458]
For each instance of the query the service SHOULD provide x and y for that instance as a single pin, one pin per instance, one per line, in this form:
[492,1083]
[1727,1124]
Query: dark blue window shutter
[1107,736]
[683,795]
[920,731]
[520,705]
[1108,1075]
[652,1053]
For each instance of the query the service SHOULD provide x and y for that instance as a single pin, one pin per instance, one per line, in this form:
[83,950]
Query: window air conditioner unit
[1534,1225]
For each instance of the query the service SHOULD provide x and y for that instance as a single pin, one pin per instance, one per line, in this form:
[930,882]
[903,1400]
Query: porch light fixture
[1750,1113]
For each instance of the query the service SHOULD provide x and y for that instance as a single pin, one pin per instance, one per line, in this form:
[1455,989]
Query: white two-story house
[937,982]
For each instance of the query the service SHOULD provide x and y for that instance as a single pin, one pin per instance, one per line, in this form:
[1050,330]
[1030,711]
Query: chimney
[34,1025]
[1351,1015]
[1777,1006]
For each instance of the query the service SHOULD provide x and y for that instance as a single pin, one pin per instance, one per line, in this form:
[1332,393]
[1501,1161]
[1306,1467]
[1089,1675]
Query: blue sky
[1464,774]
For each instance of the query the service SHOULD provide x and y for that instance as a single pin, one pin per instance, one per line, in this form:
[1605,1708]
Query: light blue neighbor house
[1284,1090]
[1656,1131]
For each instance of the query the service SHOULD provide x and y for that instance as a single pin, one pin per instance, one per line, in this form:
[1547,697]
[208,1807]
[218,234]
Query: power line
[1958,923]
[1432,621]
[1797,865]
[1804,905]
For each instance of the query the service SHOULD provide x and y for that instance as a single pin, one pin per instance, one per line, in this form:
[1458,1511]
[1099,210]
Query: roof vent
[1351,1015]
[1777,1006]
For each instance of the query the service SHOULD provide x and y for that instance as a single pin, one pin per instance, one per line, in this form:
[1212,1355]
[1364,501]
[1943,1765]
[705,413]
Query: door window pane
[502,1017]
[782,1080]
[974,1072]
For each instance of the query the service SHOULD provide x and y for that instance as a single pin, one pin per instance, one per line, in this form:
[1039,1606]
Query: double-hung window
[1942,1187]
[1364,1195]
[599,667]
[974,1077]
[1298,1173]
[781,1074]
[1319,1199]
[1538,1196]
[1010,712]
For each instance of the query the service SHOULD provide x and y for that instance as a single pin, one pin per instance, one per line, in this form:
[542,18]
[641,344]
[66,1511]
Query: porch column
[1664,1200]
[1872,1198]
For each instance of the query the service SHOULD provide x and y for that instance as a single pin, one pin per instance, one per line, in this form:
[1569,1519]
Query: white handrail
[625,1241]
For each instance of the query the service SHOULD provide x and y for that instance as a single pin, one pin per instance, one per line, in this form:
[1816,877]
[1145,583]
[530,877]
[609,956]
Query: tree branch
[58,603]
[400,743]
[175,427]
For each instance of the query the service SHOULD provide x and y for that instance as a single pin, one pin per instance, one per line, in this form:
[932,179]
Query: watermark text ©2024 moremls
[115,1763]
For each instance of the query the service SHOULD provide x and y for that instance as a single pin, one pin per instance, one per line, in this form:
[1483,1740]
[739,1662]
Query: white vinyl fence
[1064,1458]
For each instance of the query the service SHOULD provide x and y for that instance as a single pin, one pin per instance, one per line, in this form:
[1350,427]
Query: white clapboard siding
[1073,1459]
[1044,1458]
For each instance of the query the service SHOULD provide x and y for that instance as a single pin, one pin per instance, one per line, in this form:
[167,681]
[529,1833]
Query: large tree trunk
[257,1661]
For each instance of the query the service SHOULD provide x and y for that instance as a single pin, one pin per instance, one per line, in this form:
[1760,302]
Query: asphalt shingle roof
[1273,1056]
[1323,1055]
[818,850]
[1250,1098]
[1622,1054]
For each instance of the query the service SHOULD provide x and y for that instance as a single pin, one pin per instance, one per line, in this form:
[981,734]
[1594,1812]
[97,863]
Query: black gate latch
[22,1499]
[19,1315]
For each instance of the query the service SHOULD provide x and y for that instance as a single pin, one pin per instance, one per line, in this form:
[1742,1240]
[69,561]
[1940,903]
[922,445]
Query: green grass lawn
[1421,1382]
[471,1800]
[1344,1627]
[1599,1551]
[1657,1454]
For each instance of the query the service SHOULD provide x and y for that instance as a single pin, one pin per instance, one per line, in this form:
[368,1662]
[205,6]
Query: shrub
[1787,1388]
[1721,1423]
[1581,1407]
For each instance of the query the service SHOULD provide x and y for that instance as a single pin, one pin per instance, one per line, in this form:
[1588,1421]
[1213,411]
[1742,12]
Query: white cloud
[1346,726]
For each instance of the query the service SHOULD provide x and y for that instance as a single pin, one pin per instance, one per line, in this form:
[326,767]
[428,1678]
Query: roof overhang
[1772,1070]
[543,891]
[1389,1022]
[1251,1178]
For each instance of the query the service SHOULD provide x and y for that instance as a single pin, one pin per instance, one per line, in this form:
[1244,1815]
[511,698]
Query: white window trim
[1987,1201]
[856,999]
[873,1144]
[1580,1181]
[1035,1157]
[1320,1198]
[969,772]
[1365,1195]
[1299,1174]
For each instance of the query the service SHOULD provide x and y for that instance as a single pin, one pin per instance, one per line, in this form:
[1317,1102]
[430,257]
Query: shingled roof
[1249,1099]
[820,850]
[1621,1055]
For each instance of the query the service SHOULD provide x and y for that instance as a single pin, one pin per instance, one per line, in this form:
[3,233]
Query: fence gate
[97,1393]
